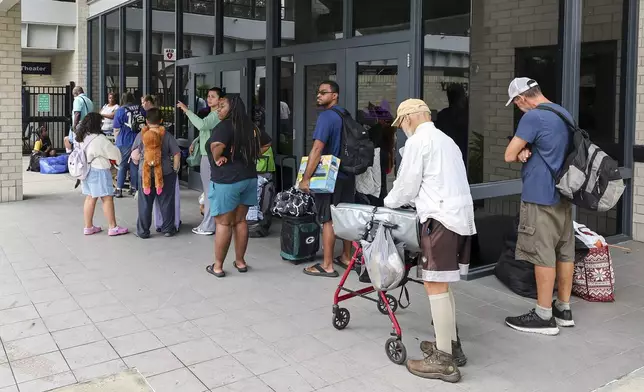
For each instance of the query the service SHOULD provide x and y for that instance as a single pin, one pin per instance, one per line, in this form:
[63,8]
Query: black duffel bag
[517,275]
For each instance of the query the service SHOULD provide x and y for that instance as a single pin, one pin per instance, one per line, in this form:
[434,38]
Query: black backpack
[356,148]
[589,177]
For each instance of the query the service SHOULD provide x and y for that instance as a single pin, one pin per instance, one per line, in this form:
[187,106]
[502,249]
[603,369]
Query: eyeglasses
[324,92]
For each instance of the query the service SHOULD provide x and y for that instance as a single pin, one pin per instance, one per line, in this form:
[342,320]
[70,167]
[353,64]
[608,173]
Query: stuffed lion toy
[152,140]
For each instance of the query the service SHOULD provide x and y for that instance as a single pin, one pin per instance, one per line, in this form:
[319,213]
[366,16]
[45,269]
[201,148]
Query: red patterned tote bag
[594,278]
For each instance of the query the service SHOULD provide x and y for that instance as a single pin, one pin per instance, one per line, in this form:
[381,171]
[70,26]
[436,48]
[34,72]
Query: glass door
[377,81]
[310,70]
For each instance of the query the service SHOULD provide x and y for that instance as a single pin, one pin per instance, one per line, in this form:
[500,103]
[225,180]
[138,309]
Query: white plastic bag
[383,261]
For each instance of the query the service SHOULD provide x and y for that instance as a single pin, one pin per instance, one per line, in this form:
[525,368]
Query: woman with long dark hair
[205,126]
[100,154]
[233,150]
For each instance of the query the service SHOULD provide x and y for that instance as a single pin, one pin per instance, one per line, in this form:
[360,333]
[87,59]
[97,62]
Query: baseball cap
[410,106]
[519,86]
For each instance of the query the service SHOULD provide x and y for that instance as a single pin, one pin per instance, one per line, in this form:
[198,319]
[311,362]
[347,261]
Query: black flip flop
[242,269]
[338,261]
[210,269]
[321,272]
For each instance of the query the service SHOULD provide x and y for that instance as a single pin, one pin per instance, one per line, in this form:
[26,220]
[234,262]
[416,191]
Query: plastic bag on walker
[383,260]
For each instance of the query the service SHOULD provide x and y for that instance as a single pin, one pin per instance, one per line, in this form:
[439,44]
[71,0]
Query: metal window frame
[102,27]
[146,48]
[122,49]
[88,62]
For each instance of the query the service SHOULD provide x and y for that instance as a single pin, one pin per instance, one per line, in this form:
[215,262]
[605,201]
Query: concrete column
[10,101]
[80,53]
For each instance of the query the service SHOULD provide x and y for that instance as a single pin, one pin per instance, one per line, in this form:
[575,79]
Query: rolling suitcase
[260,218]
[300,238]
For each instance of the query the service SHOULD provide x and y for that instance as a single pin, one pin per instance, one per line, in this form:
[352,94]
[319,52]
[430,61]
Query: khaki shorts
[546,234]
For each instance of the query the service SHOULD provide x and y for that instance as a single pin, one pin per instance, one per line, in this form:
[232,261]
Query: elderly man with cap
[432,178]
[545,229]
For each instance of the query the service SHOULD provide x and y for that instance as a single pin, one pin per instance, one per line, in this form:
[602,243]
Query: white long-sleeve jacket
[432,177]
[100,150]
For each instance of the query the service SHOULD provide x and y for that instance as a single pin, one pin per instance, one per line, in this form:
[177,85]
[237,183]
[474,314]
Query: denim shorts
[225,198]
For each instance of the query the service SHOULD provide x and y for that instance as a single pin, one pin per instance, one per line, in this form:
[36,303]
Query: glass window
[244,25]
[380,16]
[286,83]
[94,45]
[112,74]
[133,49]
[496,220]
[198,28]
[314,75]
[472,51]
[259,95]
[306,21]
[162,72]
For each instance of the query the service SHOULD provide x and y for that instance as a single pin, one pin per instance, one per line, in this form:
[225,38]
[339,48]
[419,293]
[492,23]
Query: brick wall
[638,180]
[62,71]
[10,115]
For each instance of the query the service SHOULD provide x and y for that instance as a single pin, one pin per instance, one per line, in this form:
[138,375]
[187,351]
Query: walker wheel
[393,304]
[396,351]
[341,318]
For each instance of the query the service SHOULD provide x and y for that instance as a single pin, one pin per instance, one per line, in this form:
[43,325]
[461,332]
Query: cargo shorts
[545,234]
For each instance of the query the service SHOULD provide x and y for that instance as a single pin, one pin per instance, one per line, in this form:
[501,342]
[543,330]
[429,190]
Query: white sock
[453,301]
[444,322]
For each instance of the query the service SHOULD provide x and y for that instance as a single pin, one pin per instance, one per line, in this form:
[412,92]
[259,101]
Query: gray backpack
[589,177]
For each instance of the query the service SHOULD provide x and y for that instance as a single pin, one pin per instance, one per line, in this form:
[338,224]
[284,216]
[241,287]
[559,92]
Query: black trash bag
[517,275]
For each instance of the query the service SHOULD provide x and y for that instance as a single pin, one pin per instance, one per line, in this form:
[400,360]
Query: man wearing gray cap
[432,178]
[545,232]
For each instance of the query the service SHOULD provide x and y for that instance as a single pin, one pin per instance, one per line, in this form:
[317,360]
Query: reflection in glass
[94,45]
[306,21]
[163,71]
[286,82]
[380,16]
[133,46]
[112,74]
[259,95]
[198,28]
[244,25]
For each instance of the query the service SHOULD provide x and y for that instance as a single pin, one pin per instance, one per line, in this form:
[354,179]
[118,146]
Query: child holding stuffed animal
[159,161]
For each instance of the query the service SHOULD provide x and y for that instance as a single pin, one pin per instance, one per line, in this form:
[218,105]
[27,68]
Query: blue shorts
[225,198]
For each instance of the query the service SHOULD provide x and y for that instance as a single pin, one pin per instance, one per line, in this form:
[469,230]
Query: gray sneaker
[437,365]
[457,351]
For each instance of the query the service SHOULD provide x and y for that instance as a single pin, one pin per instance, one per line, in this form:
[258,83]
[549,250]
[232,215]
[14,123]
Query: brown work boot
[457,351]
[437,365]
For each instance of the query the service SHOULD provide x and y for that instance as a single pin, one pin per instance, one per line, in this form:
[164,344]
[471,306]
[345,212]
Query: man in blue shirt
[328,141]
[128,121]
[80,107]
[545,232]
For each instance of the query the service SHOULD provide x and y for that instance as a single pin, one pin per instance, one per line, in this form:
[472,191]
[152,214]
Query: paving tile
[3,357]
[38,284]
[196,351]
[286,380]
[199,309]
[6,377]
[161,318]
[56,307]
[275,330]
[178,333]
[23,329]
[221,371]
[154,362]
[235,340]
[119,327]
[100,370]
[89,354]
[250,384]
[77,336]
[37,273]
[67,320]
[180,380]
[261,359]
[38,367]
[48,383]
[302,348]
[135,343]
[48,295]
[15,315]
[85,288]
[30,347]
[107,312]
[631,296]
[9,289]
[93,300]
[9,389]
[14,301]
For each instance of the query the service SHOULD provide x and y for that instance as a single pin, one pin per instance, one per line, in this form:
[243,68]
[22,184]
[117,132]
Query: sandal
[338,261]
[211,270]
[240,269]
[321,272]
[92,230]
[117,230]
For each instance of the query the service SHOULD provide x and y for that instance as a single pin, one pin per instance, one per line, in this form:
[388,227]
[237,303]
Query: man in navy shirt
[128,121]
[546,237]
[327,141]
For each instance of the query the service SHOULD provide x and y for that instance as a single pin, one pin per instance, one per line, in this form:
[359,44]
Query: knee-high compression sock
[453,301]
[444,321]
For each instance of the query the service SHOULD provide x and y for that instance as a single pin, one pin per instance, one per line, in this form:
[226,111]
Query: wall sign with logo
[169,54]
[44,103]
[33,68]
